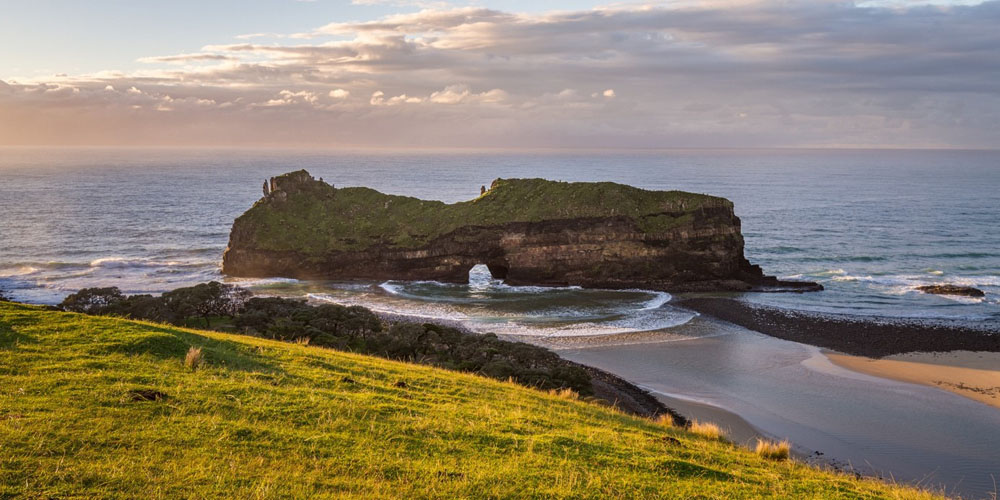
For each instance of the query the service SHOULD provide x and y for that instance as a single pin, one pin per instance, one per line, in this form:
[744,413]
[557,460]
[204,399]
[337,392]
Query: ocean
[871,226]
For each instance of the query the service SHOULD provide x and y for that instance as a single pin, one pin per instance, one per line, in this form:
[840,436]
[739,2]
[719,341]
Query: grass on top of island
[104,407]
[314,218]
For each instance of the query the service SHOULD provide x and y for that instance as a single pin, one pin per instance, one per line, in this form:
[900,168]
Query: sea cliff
[527,231]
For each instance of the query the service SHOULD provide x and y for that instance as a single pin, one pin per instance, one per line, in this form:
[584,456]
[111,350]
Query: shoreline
[857,336]
[953,357]
[974,375]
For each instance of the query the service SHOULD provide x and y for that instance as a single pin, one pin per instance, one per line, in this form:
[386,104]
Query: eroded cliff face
[528,232]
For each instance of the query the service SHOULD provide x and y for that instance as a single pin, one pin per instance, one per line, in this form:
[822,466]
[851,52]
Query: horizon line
[472,149]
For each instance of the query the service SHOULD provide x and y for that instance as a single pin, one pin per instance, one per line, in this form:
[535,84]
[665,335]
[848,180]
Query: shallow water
[788,390]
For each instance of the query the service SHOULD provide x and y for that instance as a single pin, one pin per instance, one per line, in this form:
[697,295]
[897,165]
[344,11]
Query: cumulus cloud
[455,94]
[291,98]
[724,73]
[379,99]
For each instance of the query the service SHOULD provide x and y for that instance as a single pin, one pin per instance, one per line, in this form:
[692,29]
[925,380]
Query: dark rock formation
[527,231]
[857,335]
[965,291]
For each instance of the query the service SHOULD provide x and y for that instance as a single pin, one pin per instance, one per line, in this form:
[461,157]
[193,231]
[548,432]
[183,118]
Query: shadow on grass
[680,468]
[9,338]
[170,343]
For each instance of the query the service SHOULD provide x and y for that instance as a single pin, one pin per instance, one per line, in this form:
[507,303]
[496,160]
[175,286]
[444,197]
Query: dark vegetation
[4,297]
[354,328]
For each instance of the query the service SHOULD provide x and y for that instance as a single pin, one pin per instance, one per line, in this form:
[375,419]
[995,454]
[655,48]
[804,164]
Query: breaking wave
[488,305]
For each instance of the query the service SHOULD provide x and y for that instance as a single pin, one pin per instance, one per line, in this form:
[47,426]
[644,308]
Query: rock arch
[526,231]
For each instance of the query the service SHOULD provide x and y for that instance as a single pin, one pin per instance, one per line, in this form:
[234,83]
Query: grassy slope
[269,419]
[319,218]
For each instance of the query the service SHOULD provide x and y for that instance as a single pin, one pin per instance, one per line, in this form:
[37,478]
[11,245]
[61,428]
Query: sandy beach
[975,375]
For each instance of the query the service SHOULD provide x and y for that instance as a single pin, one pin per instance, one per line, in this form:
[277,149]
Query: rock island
[527,231]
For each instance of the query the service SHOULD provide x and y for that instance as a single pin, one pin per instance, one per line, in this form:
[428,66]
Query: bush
[772,450]
[664,419]
[94,300]
[206,300]
[203,301]
[707,430]
[194,359]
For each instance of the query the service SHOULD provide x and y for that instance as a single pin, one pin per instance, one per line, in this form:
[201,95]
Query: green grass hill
[96,407]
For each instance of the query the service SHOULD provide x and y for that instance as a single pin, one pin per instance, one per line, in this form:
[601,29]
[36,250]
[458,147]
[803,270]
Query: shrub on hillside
[773,450]
[93,300]
[206,300]
[202,301]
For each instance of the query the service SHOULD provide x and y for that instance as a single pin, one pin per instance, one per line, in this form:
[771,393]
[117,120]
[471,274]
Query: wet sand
[975,375]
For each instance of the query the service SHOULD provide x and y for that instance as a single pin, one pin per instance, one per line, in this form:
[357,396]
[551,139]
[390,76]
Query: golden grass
[194,358]
[772,450]
[565,393]
[707,430]
[664,419]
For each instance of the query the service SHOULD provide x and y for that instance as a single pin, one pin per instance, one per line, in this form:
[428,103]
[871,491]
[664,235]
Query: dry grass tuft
[565,393]
[664,419]
[772,450]
[194,359]
[707,430]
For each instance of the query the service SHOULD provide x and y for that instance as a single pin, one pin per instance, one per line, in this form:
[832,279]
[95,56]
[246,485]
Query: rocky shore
[870,337]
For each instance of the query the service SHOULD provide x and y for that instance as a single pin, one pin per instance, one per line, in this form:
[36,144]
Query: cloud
[722,73]
[187,58]
[379,99]
[455,94]
[292,98]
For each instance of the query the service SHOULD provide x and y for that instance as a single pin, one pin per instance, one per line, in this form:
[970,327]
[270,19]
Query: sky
[513,74]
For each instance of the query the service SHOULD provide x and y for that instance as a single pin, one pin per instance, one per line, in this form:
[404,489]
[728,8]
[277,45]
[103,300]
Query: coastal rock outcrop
[964,291]
[526,231]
